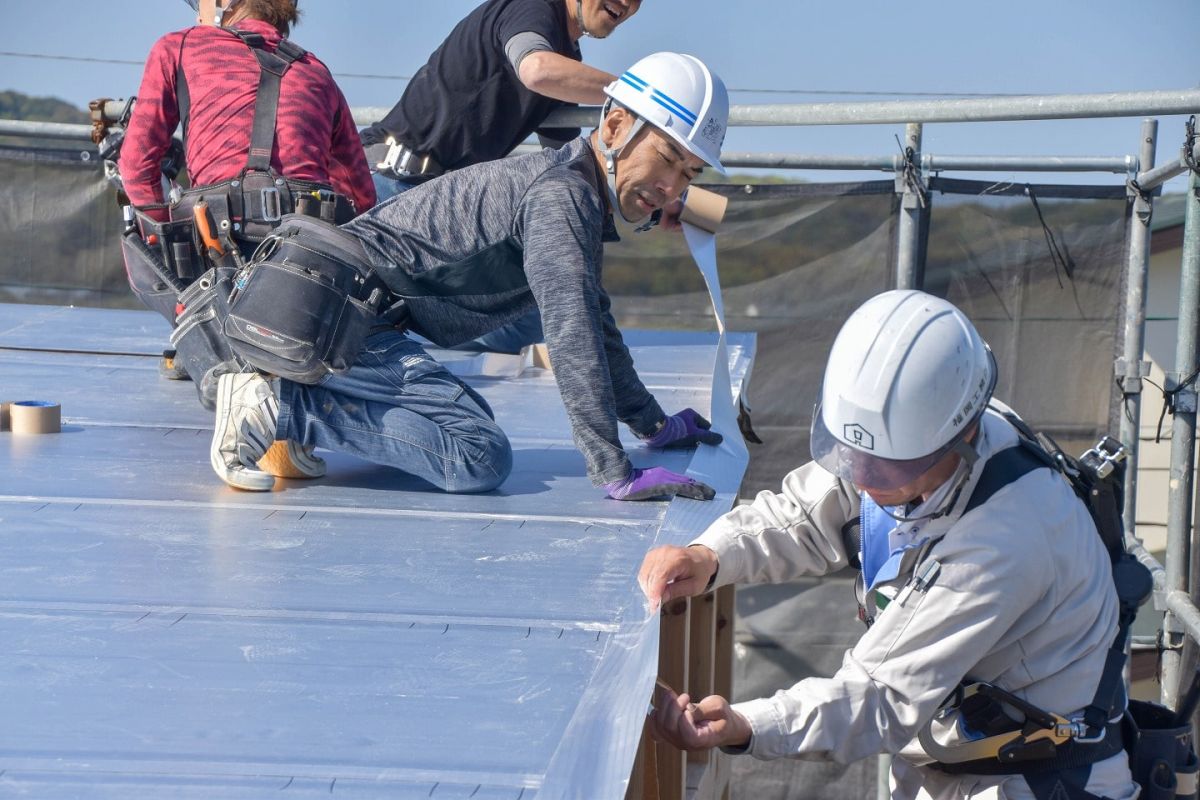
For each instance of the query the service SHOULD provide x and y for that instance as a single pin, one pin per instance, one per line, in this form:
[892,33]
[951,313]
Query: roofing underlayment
[354,636]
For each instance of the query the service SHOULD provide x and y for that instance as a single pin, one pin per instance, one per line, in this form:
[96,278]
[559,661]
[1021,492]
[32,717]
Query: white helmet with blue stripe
[678,95]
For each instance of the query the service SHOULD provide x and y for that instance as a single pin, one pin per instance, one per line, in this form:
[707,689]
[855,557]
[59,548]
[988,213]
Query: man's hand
[657,483]
[685,429]
[669,572]
[697,726]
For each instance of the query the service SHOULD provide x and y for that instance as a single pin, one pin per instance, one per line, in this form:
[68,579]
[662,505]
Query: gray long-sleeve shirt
[481,246]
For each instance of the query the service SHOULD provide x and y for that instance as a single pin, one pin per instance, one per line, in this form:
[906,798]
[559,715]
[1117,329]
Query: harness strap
[266,101]
[1003,468]
[1043,757]
[183,96]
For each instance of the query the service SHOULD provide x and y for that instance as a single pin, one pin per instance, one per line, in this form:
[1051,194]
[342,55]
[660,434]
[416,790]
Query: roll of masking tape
[704,209]
[35,416]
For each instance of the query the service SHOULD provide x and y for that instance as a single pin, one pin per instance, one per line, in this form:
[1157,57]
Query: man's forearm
[554,75]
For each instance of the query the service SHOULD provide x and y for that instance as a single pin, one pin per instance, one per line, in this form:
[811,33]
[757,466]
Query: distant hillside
[15,105]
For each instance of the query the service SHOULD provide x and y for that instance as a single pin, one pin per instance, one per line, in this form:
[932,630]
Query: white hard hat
[907,377]
[678,95]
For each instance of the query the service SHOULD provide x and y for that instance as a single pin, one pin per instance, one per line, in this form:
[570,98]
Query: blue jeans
[387,187]
[398,407]
[508,338]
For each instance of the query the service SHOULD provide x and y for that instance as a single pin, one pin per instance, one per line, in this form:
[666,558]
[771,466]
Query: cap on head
[677,94]
[907,377]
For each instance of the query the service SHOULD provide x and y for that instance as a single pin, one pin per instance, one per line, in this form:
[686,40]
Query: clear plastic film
[597,752]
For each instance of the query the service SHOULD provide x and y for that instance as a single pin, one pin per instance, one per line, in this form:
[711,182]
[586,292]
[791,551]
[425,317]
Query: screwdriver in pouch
[204,226]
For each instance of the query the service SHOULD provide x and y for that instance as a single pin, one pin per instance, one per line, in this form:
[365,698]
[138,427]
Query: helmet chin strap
[579,19]
[610,161]
[220,12]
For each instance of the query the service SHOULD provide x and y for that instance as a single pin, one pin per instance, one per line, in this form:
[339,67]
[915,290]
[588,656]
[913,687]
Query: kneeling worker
[477,248]
[266,131]
[972,588]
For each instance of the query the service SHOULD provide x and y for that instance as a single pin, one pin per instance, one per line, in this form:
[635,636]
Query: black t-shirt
[467,105]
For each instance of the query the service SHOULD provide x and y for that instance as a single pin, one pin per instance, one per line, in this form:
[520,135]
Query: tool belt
[397,160]
[303,305]
[255,201]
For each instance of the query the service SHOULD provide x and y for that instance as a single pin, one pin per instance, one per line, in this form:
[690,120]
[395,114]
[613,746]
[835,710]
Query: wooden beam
[643,781]
[673,670]
[701,655]
[723,655]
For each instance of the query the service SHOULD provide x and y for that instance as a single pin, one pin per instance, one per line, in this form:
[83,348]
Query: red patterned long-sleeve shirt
[315,137]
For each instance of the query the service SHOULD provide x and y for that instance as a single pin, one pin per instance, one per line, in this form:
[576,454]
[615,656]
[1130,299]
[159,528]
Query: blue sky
[941,46]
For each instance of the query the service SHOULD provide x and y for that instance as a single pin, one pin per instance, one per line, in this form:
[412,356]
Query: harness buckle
[402,161]
[1078,732]
[272,209]
[1104,457]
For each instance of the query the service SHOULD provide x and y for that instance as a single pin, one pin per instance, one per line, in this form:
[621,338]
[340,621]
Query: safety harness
[255,201]
[1053,753]
[1006,735]
[183,268]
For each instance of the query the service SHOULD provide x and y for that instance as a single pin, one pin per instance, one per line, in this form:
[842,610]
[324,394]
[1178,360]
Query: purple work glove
[656,482]
[685,429]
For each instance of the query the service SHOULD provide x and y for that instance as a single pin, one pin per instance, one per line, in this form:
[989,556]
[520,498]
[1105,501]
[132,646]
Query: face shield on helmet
[677,95]
[908,377]
[866,471]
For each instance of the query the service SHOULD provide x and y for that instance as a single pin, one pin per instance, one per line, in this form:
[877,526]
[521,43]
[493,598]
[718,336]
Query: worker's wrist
[742,739]
[708,557]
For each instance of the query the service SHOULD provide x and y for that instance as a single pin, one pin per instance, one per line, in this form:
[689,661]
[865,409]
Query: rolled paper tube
[539,356]
[35,416]
[704,209]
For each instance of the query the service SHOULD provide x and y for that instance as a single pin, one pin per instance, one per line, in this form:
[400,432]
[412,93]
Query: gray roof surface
[359,635]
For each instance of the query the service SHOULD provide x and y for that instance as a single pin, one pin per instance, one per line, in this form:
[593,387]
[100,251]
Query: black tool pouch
[149,277]
[304,304]
[175,241]
[1162,755]
[199,339]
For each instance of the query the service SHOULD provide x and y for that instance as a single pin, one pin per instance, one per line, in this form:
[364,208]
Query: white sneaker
[247,413]
[290,459]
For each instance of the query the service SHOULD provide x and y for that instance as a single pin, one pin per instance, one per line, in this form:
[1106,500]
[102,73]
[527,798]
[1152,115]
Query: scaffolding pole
[1180,384]
[1154,178]
[1121,165]
[1131,368]
[902,112]
[910,185]
[987,109]
[882,163]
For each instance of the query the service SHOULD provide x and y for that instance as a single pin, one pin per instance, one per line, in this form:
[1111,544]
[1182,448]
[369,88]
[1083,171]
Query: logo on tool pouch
[262,333]
[858,436]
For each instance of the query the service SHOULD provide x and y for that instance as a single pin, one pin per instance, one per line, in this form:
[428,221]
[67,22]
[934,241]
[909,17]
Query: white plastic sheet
[596,755]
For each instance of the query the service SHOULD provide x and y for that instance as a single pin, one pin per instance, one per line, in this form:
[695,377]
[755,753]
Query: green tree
[15,105]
